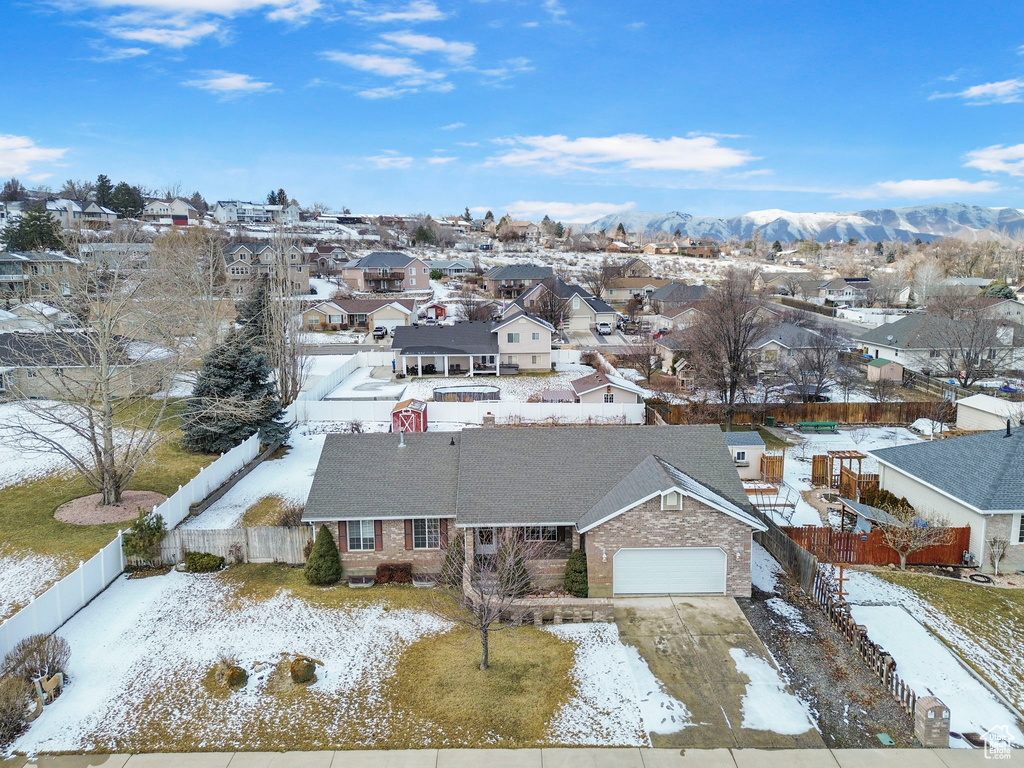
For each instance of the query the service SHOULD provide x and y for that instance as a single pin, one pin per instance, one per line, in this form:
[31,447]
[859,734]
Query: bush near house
[37,656]
[14,694]
[203,562]
[576,574]
[323,566]
[144,537]
[394,573]
[454,561]
[302,670]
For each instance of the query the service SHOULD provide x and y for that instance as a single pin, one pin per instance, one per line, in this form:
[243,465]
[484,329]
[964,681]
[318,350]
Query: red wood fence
[870,548]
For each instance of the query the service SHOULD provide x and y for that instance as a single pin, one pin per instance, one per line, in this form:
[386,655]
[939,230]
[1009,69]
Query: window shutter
[561,533]
[443,527]
[408,534]
[378,535]
[343,536]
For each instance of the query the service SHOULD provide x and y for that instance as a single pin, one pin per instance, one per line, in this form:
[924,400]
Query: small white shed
[983,413]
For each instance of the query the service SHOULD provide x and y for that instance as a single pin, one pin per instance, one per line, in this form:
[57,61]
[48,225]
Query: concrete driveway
[686,642]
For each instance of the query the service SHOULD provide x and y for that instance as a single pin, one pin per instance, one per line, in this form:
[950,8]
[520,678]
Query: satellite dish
[889,337]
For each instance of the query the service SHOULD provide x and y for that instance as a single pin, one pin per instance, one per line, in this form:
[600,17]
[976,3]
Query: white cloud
[417,10]
[440,160]
[998,158]
[18,154]
[390,159]
[555,10]
[170,36]
[409,76]
[468,143]
[1001,92]
[228,84]
[568,212]
[452,126]
[506,69]
[924,188]
[635,25]
[120,54]
[558,154]
[455,52]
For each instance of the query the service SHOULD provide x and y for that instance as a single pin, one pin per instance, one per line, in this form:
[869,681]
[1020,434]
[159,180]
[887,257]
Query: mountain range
[927,222]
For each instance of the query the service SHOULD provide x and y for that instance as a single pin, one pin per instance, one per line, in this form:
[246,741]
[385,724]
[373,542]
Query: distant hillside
[927,222]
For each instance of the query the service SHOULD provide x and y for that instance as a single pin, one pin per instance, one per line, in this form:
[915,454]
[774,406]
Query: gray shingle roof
[909,332]
[371,477]
[459,339]
[788,335]
[749,437]
[983,470]
[519,272]
[654,475]
[556,474]
[384,259]
[679,293]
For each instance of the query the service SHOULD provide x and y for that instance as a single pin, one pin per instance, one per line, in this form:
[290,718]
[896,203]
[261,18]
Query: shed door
[669,571]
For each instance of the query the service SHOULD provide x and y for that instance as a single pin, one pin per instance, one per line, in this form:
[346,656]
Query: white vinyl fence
[474,412]
[61,601]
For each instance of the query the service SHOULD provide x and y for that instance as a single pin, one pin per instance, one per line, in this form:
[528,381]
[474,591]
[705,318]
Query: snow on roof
[993,405]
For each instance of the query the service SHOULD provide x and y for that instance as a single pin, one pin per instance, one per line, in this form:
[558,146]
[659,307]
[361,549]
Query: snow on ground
[325,289]
[23,458]
[182,385]
[328,427]
[789,614]
[764,568]
[513,388]
[797,471]
[362,385]
[928,667]
[326,338]
[289,477]
[24,576]
[165,632]
[322,365]
[932,666]
[618,699]
[766,704]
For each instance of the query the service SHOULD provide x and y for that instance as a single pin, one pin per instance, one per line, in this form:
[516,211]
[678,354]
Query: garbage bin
[769,421]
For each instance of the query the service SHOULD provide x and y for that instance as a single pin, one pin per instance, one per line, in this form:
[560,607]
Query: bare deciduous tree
[971,340]
[550,308]
[813,369]
[481,592]
[642,356]
[919,531]
[470,307]
[597,279]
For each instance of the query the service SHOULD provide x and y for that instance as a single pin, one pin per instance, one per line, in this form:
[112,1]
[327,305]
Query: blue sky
[565,107]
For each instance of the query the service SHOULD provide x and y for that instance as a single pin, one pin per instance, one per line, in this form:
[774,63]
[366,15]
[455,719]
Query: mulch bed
[87,510]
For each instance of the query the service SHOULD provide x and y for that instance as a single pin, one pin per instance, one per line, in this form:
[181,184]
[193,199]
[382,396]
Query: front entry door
[484,542]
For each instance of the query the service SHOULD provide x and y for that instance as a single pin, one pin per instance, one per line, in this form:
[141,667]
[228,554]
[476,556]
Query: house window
[575,302]
[541,533]
[741,455]
[1020,530]
[426,534]
[412,281]
[314,319]
[672,500]
[336,319]
[535,337]
[992,354]
[513,338]
[533,359]
[412,271]
[609,397]
[513,359]
[360,535]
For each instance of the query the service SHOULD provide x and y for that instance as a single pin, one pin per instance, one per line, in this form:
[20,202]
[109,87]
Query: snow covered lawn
[983,624]
[288,477]
[143,651]
[362,385]
[513,388]
[25,575]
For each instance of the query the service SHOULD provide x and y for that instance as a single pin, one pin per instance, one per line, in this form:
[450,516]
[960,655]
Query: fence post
[81,580]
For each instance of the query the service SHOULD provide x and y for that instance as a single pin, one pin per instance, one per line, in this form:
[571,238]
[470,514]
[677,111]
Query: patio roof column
[419,365]
[445,358]
[471,366]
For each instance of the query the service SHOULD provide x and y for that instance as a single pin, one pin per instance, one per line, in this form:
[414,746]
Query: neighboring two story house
[245,261]
[387,272]
[518,341]
[508,282]
[663,513]
[31,275]
[177,212]
[580,310]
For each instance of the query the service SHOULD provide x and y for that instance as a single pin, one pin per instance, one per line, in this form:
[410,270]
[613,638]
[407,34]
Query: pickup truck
[380,332]
[604,329]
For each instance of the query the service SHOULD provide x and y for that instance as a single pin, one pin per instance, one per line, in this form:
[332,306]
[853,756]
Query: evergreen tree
[545,224]
[127,201]
[36,230]
[234,398]
[466,215]
[198,202]
[776,247]
[282,198]
[13,191]
[323,566]
[488,216]
[576,574]
[424,235]
[879,248]
[1000,291]
[620,232]
[253,311]
[677,233]
[559,230]
[104,191]
[454,560]
[272,198]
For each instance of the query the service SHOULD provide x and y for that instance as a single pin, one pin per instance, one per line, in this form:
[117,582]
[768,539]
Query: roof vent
[401,439]
[453,441]
[1007,428]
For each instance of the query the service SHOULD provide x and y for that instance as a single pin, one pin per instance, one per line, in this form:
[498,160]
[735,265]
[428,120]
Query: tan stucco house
[360,314]
[602,388]
[387,272]
[664,513]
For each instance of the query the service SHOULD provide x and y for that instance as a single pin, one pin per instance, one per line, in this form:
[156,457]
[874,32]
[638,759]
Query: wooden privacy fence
[853,484]
[798,562]
[884,666]
[846,413]
[772,464]
[260,544]
[871,549]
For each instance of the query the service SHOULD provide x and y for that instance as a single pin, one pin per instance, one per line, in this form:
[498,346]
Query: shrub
[37,656]
[394,573]
[236,677]
[323,566]
[203,562]
[887,500]
[14,698]
[302,670]
[576,574]
[454,561]
[144,537]
[512,570]
[291,514]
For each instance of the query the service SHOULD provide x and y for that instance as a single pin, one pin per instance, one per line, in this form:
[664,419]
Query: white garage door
[669,571]
[388,322]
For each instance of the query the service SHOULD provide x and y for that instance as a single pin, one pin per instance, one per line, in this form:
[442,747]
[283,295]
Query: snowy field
[362,385]
[289,477]
[141,650]
[797,472]
[895,618]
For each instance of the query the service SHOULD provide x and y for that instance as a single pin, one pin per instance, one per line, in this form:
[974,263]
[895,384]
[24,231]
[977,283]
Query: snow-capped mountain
[927,222]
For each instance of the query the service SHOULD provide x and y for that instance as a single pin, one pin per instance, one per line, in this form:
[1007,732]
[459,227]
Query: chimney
[488,420]
[401,438]
[1007,428]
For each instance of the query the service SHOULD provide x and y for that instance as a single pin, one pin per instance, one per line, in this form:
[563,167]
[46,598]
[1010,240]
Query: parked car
[604,329]
[380,332]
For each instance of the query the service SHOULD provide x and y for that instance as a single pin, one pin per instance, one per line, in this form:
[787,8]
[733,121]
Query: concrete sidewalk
[539,758]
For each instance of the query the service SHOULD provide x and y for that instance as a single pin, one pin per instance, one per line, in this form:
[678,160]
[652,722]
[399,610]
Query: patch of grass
[261,581]
[992,617]
[26,509]
[771,442]
[438,679]
[266,511]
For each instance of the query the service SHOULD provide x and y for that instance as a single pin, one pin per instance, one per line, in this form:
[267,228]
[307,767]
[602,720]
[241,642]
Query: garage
[669,570]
